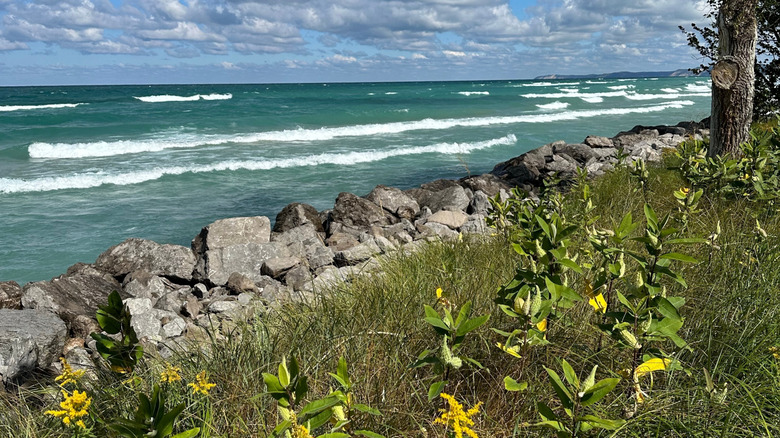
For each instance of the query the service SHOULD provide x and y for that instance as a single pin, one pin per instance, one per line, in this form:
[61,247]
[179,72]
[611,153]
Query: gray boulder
[29,339]
[598,142]
[216,265]
[357,254]
[297,214]
[10,295]
[232,231]
[78,292]
[142,284]
[452,219]
[278,266]
[580,152]
[172,261]
[354,211]
[451,198]
[487,183]
[394,201]
[479,203]
[341,241]
[239,283]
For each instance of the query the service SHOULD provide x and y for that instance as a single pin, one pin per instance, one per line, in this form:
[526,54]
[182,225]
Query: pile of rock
[238,268]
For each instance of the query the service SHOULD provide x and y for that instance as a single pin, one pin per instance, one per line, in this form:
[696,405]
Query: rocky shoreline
[238,268]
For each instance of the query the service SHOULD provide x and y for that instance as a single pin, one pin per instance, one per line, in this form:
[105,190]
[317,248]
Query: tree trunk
[733,77]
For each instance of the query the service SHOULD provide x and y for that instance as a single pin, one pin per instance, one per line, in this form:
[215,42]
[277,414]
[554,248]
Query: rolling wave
[470,93]
[575,93]
[546,84]
[553,106]
[173,98]
[6,108]
[95,179]
[106,149]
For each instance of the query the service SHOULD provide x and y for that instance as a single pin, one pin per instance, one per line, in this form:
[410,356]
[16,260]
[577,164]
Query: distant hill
[627,75]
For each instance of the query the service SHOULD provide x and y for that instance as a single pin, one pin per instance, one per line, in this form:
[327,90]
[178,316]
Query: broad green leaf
[272,384]
[603,423]
[367,409]
[598,391]
[342,372]
[284,376]
[652,219]
[165,426]
[430,311]
[188,433]
[368,434]
[545,412]
[317,406]
[463,315]
[471,324]
[570,375]
[679,257]
[511,384]
[435,389]
[334,435]
[666,308]
[571,264]
[567,400]
[437,323]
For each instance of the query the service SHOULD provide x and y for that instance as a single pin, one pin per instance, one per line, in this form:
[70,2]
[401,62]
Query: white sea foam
[390,93]
[676,95]
[569,90]
[670,90]
[470,93]
[5,108]
[626,80]
[553,106]
[596,82]
[569,93]
[174,98]
[592,99]
[699,87]
[95,179]
[104,149]
[621,87]
[547,84]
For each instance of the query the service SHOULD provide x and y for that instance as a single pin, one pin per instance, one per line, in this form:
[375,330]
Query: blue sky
[48,42]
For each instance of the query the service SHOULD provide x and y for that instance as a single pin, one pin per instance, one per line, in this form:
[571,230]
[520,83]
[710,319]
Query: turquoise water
[83,168]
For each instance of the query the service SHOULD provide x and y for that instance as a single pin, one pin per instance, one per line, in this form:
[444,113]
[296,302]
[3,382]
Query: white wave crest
[470,93]
[621,87]
[174,98]
[570,93]
[592,99]
[553,106]
[95,179]
[569,90]
[670,90]
[105,149]
[698,87]
[6,108]
[650,96]
[390,93]
[547,84]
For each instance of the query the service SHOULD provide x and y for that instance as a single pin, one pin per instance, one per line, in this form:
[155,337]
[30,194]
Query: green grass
[731,321]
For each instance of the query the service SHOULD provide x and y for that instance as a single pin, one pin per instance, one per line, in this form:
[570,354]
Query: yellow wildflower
[775,352]
[68,375]
[542,325]
[456,418]
[438,293]
[685,190]
[202,385]
[74,407]
[171,374]
[300,431]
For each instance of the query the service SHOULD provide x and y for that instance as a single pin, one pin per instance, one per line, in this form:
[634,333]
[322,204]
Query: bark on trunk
[733,77]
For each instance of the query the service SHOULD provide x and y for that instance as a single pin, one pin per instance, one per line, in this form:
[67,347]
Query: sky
[73,42]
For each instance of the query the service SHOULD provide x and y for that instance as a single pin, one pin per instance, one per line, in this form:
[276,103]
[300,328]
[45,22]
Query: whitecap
[104,149]
[471,93]
[592,99]
[557,105]
[173,98]
[95,179]
[6,108]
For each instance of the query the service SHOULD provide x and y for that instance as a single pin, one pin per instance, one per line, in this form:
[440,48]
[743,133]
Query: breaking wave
[95,179]
[6,108]
[106,149]
[174,98]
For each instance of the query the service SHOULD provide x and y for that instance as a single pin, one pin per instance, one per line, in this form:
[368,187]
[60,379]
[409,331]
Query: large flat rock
[173,261]
[29,339]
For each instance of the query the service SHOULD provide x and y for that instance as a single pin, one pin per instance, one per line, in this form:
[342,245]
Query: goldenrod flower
[202,385]
[456,418]
[73,407]
[171,374]
[300,431]
[68,375]
[775,352]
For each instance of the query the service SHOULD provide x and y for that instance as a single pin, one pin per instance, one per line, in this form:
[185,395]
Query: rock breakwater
[239,268]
